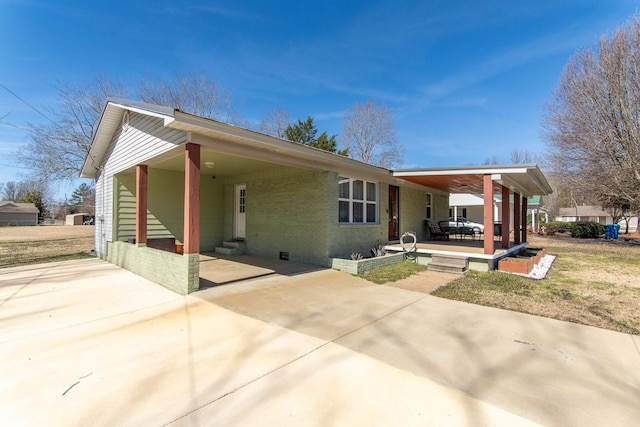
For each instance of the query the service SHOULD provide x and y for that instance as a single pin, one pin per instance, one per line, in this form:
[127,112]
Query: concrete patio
[88,343]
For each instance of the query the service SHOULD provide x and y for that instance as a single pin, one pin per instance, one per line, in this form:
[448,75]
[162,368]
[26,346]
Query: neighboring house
[535,208]
[471,206]
[584,213]
[164,175]
[13,213]
[593,213]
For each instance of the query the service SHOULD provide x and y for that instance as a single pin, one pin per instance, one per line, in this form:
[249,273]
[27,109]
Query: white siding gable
[144,138]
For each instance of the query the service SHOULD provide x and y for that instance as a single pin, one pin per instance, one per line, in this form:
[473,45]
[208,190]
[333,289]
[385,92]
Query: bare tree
[520,156]
[369,135]
[57,149]
[275,123]
[495,160]
[192,93]
[10,191]
[591,121]
[28,191]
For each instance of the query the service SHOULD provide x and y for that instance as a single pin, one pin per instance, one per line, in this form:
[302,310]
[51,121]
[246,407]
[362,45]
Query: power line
[25,102]
[16,166]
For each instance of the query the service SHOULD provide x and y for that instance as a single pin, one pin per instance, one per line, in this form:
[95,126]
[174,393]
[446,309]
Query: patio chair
[435,232]
[497,230]
[463,232]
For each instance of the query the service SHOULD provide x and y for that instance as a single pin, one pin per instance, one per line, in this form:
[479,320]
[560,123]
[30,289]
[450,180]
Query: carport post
[141,204]
[516,218]
[488,214]
[506,217]
[192,198]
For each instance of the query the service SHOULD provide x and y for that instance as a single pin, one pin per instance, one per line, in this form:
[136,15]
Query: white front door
[239,216]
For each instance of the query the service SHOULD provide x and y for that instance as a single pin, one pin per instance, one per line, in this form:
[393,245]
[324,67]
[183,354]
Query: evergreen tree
[305,134]
[36,198]
[82,199]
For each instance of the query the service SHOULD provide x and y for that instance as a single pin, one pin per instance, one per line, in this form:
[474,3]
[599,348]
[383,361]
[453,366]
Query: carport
[521,181]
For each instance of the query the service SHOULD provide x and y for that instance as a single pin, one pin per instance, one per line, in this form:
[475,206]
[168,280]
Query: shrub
[587,230]
[561,226]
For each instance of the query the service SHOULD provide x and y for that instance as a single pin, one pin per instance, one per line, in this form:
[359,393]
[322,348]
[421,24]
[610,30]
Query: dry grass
[592,282]
[39,244]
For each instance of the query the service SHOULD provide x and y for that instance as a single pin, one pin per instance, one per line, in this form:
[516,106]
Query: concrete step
[231,247]
[449,264]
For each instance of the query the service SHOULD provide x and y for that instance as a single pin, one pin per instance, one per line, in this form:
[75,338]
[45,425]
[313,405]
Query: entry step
[449,264]
[231,247]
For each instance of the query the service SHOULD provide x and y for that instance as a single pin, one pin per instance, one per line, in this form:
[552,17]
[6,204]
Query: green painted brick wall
[212,212]
[441,207]
[286,211]
[413,211]
[345,239]
[179,273]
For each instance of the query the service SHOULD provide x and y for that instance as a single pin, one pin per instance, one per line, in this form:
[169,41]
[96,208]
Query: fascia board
[473,170]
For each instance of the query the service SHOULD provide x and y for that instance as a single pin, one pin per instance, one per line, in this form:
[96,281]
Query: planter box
[541,252]
[515,265]
[360,266]
[528,255]
[536,253]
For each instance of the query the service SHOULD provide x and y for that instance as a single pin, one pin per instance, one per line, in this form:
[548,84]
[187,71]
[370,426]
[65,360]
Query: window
[357,201]
[457,212]
[243,198]
[429,206]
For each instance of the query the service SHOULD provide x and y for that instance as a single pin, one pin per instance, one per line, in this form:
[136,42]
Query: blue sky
[466,80]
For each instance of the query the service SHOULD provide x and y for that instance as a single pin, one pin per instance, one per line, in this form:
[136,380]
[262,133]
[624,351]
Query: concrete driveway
[87,343]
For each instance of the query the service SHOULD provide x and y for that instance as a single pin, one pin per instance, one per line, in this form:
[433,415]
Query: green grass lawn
[592,282]
[393,272]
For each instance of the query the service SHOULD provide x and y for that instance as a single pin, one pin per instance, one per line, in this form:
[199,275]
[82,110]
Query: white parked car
[464,222]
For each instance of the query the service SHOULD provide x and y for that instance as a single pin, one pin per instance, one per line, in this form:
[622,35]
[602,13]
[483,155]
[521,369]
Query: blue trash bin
[616,229]
[608,234]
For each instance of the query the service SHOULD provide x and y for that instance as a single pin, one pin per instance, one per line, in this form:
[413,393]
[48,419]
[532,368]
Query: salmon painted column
[141,204]
[524,219]
[516,218]
[506,217]
[488,214]
[192,199]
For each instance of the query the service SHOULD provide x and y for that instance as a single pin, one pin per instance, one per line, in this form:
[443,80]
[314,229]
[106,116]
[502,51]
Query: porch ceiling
[449,183]
[215,164]
[527,180]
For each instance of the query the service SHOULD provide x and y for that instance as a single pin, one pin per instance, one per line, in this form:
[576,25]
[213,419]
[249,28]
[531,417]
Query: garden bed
[360,266]
[516,265]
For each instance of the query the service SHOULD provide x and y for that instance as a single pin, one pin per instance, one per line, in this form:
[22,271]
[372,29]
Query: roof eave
[110,119]
[254,139]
